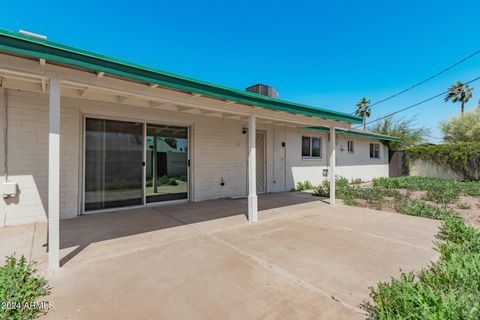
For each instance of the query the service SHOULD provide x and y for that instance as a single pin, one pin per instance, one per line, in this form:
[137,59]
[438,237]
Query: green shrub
[343,189]
[322,190]
[443,195]
[356,181]
[163,179]
[374,197]
[20,286]
[448,289]
[341,183]
[172,182]
[470,188]
[349,194]
[463,206]
[463,158]
[419,208]
[306,185]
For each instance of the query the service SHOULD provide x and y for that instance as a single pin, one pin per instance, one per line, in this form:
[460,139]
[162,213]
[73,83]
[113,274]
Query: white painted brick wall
[219,151]
[28,158]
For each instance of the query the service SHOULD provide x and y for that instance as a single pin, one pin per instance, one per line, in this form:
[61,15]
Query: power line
[427,79]
[416,104]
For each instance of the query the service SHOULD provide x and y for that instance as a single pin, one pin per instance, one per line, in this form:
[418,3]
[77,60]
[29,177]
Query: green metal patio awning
[28,46]
[357,133]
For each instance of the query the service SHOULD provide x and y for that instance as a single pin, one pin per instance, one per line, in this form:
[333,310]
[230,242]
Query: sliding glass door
[167,163]
[113,164]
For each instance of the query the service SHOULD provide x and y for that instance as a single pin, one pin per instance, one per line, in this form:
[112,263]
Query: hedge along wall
[456,160]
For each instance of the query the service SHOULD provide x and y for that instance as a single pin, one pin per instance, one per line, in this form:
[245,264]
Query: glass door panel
[113,164]
[167,163]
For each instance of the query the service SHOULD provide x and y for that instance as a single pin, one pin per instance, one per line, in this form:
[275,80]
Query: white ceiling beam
[21,85]
[42,62]
[185,109]
[84,93]
[80,79]
[210,112]
[122,99]
[232,116]
[163,106]
[44,85]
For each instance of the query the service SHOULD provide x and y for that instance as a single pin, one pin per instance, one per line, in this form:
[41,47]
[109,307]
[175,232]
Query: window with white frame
[350,146]
[311,147]
[375,150]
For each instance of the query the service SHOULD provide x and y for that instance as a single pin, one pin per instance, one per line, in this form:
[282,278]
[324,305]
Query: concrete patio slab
[304,259]
[195,278]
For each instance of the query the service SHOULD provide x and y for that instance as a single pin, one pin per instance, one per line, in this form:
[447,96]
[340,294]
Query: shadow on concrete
[84,230]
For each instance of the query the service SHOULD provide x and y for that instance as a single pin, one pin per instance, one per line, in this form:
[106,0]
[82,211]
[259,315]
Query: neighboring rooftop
[34,47]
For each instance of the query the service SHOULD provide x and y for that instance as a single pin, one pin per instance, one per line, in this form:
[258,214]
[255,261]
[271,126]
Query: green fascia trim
[357,134]
[21,44]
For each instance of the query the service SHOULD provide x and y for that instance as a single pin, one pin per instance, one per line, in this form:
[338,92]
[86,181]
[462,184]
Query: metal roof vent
[264,90]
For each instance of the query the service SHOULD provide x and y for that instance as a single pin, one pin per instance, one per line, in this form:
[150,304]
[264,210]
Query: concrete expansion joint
[275,269]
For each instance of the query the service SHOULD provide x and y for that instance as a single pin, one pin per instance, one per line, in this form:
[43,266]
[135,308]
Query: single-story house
[83,133]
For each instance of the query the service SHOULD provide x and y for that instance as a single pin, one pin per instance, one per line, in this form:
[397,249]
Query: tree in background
[363,110]
[405,129]
[459,92]
[465,128]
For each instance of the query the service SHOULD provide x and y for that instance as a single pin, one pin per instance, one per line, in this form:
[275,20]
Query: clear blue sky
[324,53]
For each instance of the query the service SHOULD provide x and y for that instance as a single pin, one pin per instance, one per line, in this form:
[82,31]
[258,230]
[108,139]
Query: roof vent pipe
[31,34]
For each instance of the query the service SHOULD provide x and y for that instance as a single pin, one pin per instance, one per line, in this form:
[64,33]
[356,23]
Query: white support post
[54,176]
[252,170]
[332,163]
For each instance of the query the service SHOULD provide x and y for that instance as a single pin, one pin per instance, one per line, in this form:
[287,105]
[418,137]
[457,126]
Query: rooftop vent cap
[31,34]
[264,90]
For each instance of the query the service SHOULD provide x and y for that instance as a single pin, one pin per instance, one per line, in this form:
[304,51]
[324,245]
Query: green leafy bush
[463,206]
[322,190]
[443,195]
[163,179]
[463,158]
[20,287]
[306,185]
[356,181]
[172,182]
[375,197]
[448,289]
[420,208]
[470,188]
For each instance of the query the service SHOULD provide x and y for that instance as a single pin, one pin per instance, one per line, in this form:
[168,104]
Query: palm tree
[459,92]
[363,110]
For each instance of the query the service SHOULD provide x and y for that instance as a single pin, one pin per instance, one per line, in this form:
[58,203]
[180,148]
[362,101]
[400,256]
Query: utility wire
[427,79]
[416,104]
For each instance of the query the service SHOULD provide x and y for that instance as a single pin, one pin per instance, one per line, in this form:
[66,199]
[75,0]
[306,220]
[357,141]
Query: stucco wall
[218,148]
[350,165]
[359,164]
[424,168]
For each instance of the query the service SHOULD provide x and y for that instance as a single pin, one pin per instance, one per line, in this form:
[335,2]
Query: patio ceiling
[33,75]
